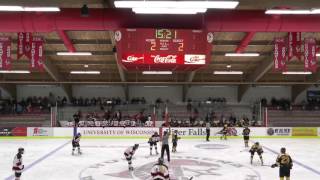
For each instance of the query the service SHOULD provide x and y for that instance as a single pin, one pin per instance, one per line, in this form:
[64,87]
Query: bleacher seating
[25,120]
[294,118]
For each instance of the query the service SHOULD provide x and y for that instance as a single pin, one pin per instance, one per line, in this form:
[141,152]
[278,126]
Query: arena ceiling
[257,70]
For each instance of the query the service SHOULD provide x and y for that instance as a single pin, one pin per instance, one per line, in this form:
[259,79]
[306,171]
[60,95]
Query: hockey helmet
[136,146]
[156,133]
[257,143]
[21,150]
[79,134]
[283,150]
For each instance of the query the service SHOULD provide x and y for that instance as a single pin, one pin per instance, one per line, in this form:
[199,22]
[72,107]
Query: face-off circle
[212,146]
[182,167]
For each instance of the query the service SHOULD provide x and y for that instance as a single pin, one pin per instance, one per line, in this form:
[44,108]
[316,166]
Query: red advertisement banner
[310,59]
[294,45]
[279,55]
[164,59]
[24,45]
[37,48]
[5,53]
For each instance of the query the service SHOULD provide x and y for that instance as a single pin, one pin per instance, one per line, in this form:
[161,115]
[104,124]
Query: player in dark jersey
[76,143]
[175,141]
[246,136]
[256,148]
[128,153]
[153,140]
[224,132]
[18,164]
[284,162]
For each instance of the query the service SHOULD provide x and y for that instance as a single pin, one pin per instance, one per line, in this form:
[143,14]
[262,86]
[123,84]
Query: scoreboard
[163,49]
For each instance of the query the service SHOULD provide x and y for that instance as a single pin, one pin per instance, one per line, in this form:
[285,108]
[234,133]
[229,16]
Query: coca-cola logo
[169,59]
[132,58]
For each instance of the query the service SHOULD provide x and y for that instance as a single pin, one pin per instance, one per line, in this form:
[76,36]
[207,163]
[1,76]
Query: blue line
[296,162]
[39,160]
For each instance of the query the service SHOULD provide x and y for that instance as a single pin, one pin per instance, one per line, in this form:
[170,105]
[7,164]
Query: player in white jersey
[153,140]
[128,153]
[160,171]
[18,164]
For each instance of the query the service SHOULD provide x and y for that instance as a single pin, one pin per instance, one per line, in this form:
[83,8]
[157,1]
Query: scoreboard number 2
[180,47]
[153,46]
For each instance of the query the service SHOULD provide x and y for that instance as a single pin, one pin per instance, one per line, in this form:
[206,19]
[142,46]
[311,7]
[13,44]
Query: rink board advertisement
[304,131]
[40,131]
[279,131]
[194,131]
[13,131]
[107,132]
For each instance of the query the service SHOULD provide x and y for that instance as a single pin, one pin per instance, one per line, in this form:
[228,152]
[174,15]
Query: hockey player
[224,132]
[283,161]
[153,140]
[76,143]
[18,164]
[207,131]
[246,133]
[256,148]
[165,144]
[160,171]
[129,153]
[175,141]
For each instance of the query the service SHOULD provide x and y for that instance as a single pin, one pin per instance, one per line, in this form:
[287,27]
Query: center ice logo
[181,167]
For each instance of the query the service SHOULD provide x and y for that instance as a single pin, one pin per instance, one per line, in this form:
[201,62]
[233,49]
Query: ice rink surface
[102,159]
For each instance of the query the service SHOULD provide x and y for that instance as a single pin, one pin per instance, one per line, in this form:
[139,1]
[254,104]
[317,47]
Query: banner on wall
[294,45]
[39,131]
[37,48]
[24,44]
[5,53]
[282,131]
[279,54]
[310,59]
[304,131]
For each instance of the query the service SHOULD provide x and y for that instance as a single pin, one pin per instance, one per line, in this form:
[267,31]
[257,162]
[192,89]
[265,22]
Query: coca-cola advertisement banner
[164,59]
[37,48]
[279,54]
[5,53]
[24,44]
[310,59]
[294,45]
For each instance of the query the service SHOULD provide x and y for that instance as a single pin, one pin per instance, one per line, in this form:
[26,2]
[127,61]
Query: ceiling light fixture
[84,72]
[14,72]
[167,10]
[293,11]
[42,9]
[296,73]
[28,9]
[11,8]
[242,54]
[74,53]
[156,72]
[177,4]
[228,66]
[227,72]
[174,7]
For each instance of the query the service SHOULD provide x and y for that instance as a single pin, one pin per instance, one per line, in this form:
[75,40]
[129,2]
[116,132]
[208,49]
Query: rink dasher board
[187,132]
